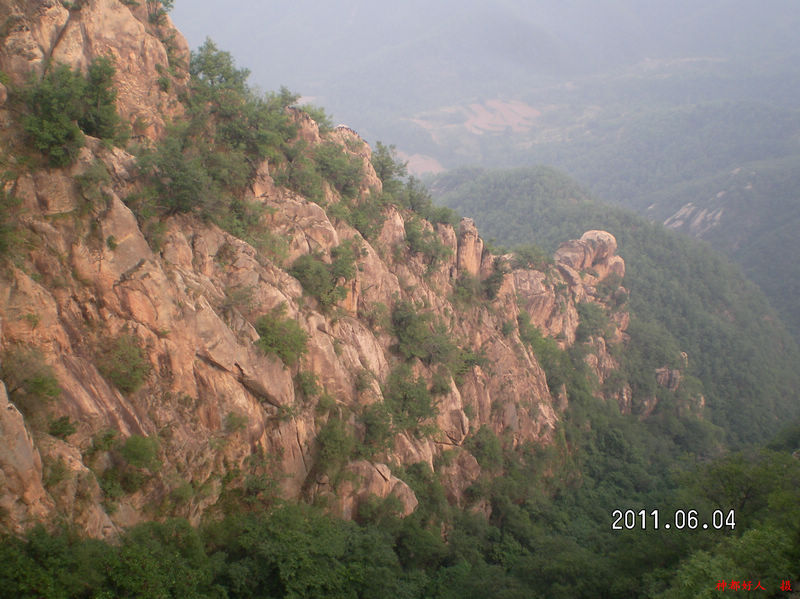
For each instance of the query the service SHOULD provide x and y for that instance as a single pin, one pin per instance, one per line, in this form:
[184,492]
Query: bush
[55,105]
[377,421]
[123,363]
[30,381]
[486,448]
[426,242]
[320,280]
[408,399]
[140,452]
[62,427]
[319,116]
[281,336]
[308,384]
[336,446]
[593,321]
[419,337]
[530,256]
[342,170]
[65,102]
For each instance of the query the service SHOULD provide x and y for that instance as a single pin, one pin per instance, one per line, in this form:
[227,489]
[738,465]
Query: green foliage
[209,155]
[486,448]
[321,280]
[141,452]
[235,422]
[336,447]
[593,321]
[281,336]
[308,384]
[683,296]
[342,170]
[419,336]
[99,116]
[421,240]
[9,232]
[55,105]
[65,104]
[389,170]
[62,427]
[531,255]
[377,421]
[122,361]
[318,114]
[408,400]
[467,289]
[30,382]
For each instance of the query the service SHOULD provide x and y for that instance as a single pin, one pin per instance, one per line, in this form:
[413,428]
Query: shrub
[123,363]
[320,117]
[377,421]
[418,336]
[426,242]
[65,102]
[408,399]
[281,336]
[141,452]
[320,280]
[99,116]
[55,105]
[342,170]
[467,289]
[235,422]
[336,446]
[593,321]
[530,256]
[308,384]
[29,380]
[62,427]
[486,448]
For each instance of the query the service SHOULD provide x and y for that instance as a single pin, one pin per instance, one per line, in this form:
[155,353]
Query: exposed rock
[470,248]
[376,480]
[22,495]
[669,378]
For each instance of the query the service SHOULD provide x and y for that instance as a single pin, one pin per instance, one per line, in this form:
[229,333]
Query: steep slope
[161,365]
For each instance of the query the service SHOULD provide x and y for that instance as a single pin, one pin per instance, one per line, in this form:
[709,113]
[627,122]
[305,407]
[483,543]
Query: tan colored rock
[372,480]
[458,475]
[22,495]
[470,248]
[669,378]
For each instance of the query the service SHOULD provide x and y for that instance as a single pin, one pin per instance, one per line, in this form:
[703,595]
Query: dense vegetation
[58,109]
[528,548]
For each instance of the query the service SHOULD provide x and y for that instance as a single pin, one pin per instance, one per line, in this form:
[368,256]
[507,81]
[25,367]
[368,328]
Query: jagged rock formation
[223,412]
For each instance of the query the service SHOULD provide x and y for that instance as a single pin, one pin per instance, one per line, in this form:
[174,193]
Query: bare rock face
[368,479]
[470,248]
[22,495]
[595,250]
[669,378]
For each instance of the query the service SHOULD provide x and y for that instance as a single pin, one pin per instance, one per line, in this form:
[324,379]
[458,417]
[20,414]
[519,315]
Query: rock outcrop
[226,417]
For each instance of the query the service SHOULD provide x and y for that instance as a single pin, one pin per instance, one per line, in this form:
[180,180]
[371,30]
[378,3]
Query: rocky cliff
[169,401]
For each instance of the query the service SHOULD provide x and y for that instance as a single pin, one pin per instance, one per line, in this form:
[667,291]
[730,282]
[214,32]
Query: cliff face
[224,419]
